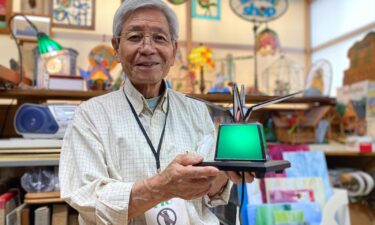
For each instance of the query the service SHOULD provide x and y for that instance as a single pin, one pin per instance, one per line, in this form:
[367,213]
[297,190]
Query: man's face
[145,49]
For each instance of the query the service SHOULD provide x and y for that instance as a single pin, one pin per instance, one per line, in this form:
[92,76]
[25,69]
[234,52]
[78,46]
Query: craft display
[102,61]
[358,183]
[362,60]
[259,12]
[219,85]
[283,76]
[62,63]
[319,79]
[301,126]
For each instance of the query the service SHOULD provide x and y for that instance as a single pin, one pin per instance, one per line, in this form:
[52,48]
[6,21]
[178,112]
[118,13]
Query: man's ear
[175,47]
[115,45]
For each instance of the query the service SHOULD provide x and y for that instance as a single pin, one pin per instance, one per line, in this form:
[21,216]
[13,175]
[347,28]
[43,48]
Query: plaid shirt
[104,152]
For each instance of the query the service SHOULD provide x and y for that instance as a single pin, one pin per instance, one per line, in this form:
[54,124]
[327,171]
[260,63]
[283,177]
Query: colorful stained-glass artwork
[206,9]
[267,42]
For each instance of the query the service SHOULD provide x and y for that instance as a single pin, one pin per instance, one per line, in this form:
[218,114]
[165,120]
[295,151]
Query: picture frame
[73,14]
[36,7]
[210,10]
[23,31]
[5,14]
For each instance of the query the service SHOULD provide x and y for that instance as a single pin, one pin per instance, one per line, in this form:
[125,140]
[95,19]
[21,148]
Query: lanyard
[156,153]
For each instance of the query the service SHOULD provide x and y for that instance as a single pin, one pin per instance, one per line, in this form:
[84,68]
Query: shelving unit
[42,95]
[337,155]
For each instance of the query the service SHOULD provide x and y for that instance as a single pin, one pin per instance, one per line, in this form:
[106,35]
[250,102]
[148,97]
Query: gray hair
[129,6]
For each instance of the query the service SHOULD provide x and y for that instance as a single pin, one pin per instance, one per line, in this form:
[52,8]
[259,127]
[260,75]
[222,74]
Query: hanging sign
[259,10]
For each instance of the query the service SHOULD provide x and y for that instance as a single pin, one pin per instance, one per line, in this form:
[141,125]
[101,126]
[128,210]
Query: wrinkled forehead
[146,19]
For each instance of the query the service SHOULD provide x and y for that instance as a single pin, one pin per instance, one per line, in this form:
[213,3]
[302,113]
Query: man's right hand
[181,179]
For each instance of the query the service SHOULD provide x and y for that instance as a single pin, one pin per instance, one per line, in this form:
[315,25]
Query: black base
[260,168]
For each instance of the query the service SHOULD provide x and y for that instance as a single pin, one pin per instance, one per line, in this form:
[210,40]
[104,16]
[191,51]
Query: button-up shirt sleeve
[85,182]
[207,147]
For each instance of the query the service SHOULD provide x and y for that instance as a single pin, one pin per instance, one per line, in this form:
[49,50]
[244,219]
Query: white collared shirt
[104,152]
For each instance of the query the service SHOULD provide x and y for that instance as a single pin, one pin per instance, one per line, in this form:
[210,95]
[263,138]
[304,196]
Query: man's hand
[181,179]
[236,177]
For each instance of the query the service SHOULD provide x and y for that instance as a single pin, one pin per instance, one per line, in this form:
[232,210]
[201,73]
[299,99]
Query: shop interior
[323,50]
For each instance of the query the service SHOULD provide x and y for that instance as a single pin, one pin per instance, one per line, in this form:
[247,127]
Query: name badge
[171,212]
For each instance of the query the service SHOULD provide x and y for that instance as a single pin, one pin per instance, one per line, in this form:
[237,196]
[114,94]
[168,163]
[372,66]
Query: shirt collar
[139,102]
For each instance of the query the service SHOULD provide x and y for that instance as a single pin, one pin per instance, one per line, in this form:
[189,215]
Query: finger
[202,181]
[192,172]
[188,159]
[249,177]
[235,177]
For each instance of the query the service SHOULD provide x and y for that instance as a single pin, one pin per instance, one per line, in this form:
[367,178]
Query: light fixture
[201,57]
[46,45]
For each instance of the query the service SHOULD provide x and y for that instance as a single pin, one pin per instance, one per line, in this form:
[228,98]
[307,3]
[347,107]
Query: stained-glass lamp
[46,46]
[201,57]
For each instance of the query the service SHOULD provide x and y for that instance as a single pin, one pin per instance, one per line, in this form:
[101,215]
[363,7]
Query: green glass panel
[240,142]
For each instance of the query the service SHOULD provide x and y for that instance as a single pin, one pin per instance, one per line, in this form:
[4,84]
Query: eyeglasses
[139,38]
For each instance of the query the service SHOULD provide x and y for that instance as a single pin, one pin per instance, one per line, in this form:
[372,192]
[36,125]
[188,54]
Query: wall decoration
[267,42]
[75,14]
[5,13]
[259,10]
[36,7]
[206,9]
[23,30]
[102,60]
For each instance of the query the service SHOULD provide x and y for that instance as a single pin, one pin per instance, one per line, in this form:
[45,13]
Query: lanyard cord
[156,153]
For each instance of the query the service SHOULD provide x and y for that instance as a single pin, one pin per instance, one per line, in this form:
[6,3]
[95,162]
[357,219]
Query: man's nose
[147,40]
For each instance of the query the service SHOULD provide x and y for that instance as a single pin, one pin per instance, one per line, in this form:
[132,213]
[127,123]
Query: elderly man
[127,158]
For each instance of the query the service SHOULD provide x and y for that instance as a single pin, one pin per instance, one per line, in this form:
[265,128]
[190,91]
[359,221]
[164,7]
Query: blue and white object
[43,120]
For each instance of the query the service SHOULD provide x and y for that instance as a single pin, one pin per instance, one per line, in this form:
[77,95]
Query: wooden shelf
[30,159]
[51,158]
[43,198]
[44,94]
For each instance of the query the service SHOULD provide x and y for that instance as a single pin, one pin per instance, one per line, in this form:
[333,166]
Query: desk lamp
[46,46]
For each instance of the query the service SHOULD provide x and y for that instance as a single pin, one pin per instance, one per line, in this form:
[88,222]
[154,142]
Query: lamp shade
[201,56]
[46,45]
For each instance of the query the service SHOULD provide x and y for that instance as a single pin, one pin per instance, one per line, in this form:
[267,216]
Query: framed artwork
[74,14]
[36,7]
[206,9]
[23,30]
[5,14]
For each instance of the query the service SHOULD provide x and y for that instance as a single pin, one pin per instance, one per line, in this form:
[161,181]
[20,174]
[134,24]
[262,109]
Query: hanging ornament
[267,42]
[177,2]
